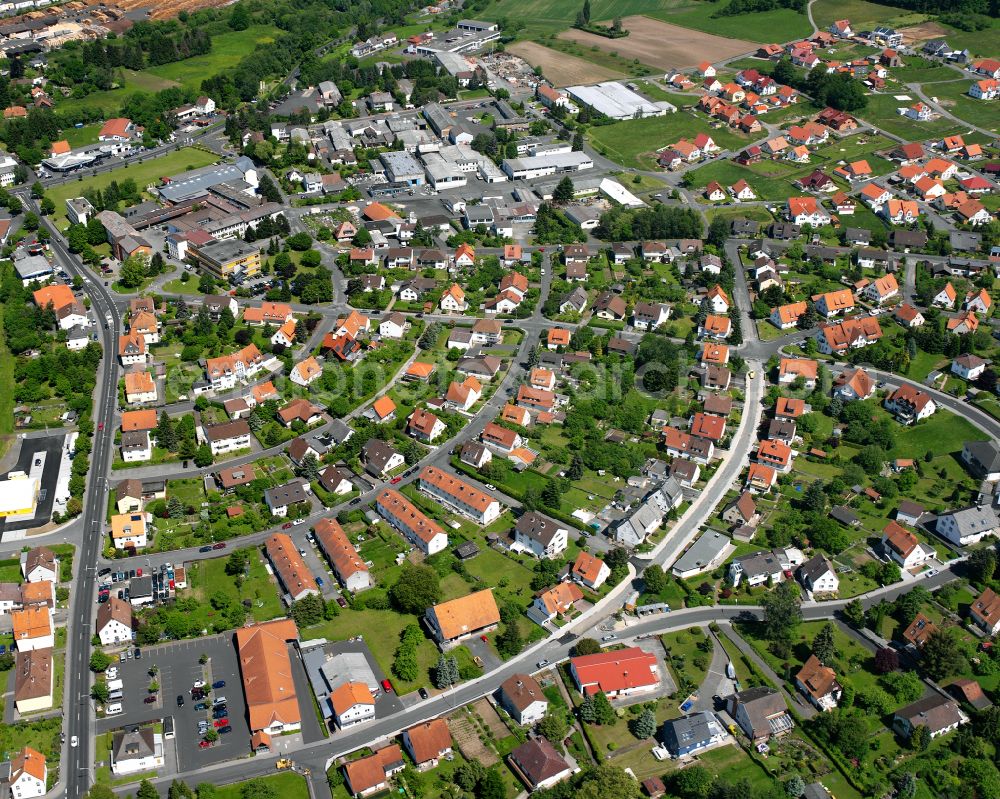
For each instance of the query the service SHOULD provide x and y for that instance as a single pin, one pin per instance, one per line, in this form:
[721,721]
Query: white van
[113,709]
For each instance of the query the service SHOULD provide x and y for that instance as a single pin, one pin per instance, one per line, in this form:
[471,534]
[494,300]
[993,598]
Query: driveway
[716,682]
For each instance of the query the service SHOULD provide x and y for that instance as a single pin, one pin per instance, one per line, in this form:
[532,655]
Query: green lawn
[942,433]
[208,577]
[6,393]
[881,112]
[779,25]
[953,96]
[381,630]
[78,137]
[634,141]
[862,14]
[728,172]
[111,101]
[287,785]
[227,51]
[685,658]
[550,16]
[144,174]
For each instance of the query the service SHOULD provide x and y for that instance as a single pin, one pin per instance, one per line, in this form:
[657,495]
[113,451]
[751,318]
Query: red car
[221,722]
[484,639]
[220,545]
[387,686]
[395,480]
[203,744]
[100,425]
[138,572]
[286,526]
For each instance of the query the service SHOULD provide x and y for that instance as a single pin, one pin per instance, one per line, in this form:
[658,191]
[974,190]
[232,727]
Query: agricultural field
[661,44]
[561,68]
[633,142]
[143,174]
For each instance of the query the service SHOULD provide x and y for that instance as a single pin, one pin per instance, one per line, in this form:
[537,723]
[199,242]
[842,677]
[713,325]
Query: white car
[112,673]
[199,683]
[74,741]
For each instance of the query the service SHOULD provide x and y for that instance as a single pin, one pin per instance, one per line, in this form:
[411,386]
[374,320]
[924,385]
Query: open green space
[144,174]
[79,137]
[633,142]
[227,50]
[862,14]
[381,630]
[287,785]
[111,101]
[953,97]
[778,25]
[208,578]
[882,112]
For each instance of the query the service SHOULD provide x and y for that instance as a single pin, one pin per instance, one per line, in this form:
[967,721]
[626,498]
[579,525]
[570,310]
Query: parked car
[387,686]
[219,684]
[149,700]
[180,700]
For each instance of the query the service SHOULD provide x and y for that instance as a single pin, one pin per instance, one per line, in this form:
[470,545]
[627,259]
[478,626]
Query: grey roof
[140,586]
[703,551]
[472,451]
[698,728]
[964,240]
[908,508]
[537,527]
[132,744]
[756,564]
[844,515]
[135,439]
[973,520]
[761,704]
[377,453]
[199,181]
[577,298]
[934,712]
[287,494]
[30,266]
[986,453]
[814,568]
[816,790]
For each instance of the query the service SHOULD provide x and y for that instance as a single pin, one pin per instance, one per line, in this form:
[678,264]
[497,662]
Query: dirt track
[560,68]
[923,32]
[164,9]
[663,45]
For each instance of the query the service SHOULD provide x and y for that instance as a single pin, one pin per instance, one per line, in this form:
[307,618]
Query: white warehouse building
[617,101]
[541,165]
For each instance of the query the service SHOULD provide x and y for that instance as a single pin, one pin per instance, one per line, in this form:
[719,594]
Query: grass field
[767,26]
[881,112]
[110,101]
[862,14]
[550,16]
[6,394]
[381,630]
[633,142]
[78,137]
[143,174]
[954,99]
[942,433]
[227,50]
[287,785]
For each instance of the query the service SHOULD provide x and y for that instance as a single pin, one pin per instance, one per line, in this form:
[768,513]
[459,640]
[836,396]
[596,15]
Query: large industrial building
[614,100]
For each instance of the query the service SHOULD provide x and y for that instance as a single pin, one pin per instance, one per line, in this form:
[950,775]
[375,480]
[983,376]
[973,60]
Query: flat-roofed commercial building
[228,258]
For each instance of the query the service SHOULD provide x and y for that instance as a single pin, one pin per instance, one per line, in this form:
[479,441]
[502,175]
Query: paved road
[75,768]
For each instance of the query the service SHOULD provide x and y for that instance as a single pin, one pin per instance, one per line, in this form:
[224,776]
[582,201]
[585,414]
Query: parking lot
[47,451]
[178,669]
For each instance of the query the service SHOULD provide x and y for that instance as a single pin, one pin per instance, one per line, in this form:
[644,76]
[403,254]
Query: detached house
[818,683]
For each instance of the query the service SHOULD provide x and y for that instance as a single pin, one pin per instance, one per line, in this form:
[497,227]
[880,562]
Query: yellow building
[18,495]
[228,258]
